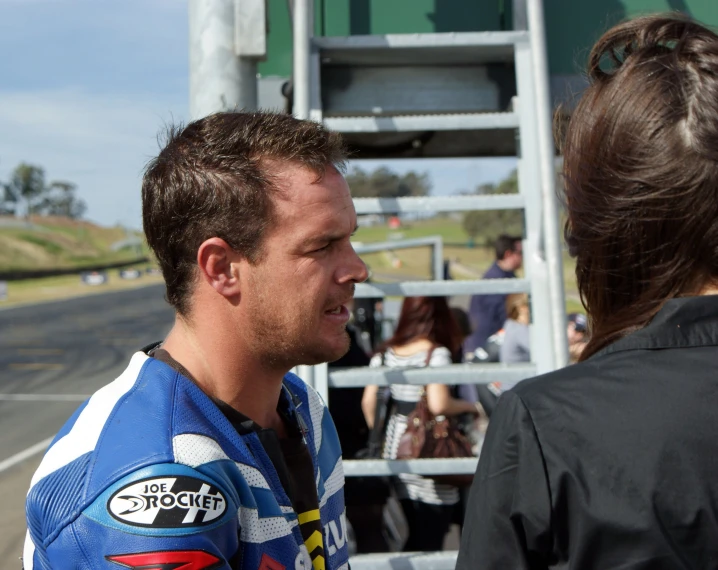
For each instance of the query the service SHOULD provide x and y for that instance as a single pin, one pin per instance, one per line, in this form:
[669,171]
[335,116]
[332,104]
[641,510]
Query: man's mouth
[338,312]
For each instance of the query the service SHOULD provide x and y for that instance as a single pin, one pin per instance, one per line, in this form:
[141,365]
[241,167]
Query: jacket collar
[681,323]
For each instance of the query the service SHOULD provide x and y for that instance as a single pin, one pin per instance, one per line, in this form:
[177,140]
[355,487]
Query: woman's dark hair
[505,244]
[426,317]
[641,173]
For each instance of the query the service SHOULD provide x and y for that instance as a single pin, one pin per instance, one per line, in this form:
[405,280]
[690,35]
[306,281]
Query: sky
[87,85]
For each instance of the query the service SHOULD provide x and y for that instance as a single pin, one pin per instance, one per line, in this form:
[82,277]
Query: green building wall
[571,25]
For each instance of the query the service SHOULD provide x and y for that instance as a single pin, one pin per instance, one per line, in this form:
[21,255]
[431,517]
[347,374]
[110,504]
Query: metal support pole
[321,380]
[218,79]
[302,24]
[306,373]
[519,13]
[543,110]
[437,255]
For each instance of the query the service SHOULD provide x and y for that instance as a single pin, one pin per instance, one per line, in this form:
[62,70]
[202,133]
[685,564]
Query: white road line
[25,454]
[43,397]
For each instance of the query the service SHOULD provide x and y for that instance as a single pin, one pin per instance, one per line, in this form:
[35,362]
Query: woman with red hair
[427,334]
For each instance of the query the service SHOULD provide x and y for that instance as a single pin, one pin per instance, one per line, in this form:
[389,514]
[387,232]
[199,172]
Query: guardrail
[18,274]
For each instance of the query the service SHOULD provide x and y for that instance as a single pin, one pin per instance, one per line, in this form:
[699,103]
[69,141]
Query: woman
[612,462]
[515,344]
[426,335]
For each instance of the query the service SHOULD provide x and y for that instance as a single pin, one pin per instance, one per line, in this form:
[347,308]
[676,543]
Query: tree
[474,224]
[27,188]
[359,185]
[27,183]
[60,200]
[384,183]
[489,224]
[418,184]
[8,204]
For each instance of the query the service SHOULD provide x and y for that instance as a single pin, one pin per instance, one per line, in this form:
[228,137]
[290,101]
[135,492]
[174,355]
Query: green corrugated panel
[572,27]
[360,17]
[356,17]
[279,41]
[279,38]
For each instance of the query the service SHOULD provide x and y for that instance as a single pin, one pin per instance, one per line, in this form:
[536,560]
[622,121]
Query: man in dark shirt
[488,312]
[364,496]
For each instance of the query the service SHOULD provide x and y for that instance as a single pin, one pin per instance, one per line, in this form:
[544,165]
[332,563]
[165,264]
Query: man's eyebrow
[328,237]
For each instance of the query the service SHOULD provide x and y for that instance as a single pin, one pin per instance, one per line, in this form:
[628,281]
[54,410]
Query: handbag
[434,437]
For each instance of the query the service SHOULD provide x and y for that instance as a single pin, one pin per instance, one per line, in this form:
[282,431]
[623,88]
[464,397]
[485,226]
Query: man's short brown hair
[213,178]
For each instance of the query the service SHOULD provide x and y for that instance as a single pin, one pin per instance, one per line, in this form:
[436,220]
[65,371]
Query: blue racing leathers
[148,473]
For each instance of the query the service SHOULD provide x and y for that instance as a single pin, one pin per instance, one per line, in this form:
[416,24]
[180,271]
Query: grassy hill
[45,242]
[54,243]
[466,262]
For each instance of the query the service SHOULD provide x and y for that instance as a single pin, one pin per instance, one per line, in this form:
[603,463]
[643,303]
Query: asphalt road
[52,356]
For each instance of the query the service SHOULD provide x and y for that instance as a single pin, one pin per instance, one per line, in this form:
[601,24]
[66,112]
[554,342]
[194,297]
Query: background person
[577,335]
[611,463]
[364,496]
[203,452]
[516,346]
[426,335]
[488,312]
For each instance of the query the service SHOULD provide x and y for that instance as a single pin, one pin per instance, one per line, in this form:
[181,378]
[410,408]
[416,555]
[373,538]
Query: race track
[52,356]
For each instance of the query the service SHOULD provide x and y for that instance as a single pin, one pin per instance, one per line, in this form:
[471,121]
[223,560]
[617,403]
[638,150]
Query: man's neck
[504,265]
[224,369]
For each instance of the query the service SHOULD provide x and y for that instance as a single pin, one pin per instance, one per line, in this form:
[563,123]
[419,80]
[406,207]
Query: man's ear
[219,266]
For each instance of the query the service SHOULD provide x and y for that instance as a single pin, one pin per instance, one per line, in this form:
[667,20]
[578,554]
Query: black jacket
[611,463]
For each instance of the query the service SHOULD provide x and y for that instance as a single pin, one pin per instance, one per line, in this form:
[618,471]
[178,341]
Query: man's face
[574,336]
[514,259]
[297,295]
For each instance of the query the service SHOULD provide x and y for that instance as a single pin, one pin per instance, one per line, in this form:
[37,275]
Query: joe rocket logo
[167,502]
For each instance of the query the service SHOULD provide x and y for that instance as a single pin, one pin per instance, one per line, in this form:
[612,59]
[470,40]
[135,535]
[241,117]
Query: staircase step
[409,123]
[445,560]
[438,204]
[473,48]
[442,288]
[454,374]
[384,467]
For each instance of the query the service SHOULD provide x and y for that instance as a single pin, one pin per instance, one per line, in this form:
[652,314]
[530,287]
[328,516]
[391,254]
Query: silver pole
[302,23]
[437,253]
[519,12]
[306,373]
[248,85]
[543,109]
[218,79]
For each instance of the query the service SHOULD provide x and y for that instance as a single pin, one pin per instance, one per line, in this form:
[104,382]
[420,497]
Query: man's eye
[322,248]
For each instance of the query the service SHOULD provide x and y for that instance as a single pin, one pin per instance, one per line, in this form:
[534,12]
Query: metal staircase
[444,95]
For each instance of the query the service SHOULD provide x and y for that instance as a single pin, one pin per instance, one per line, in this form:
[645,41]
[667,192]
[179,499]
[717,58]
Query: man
[364,496]
[488,312]
[577,334]
[206,452]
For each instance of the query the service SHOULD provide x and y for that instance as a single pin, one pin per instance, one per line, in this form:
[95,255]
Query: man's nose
[355,270]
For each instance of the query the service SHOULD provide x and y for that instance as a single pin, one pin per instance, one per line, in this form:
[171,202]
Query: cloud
[87,85]
[100,143]
[85,89]
[105,47]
